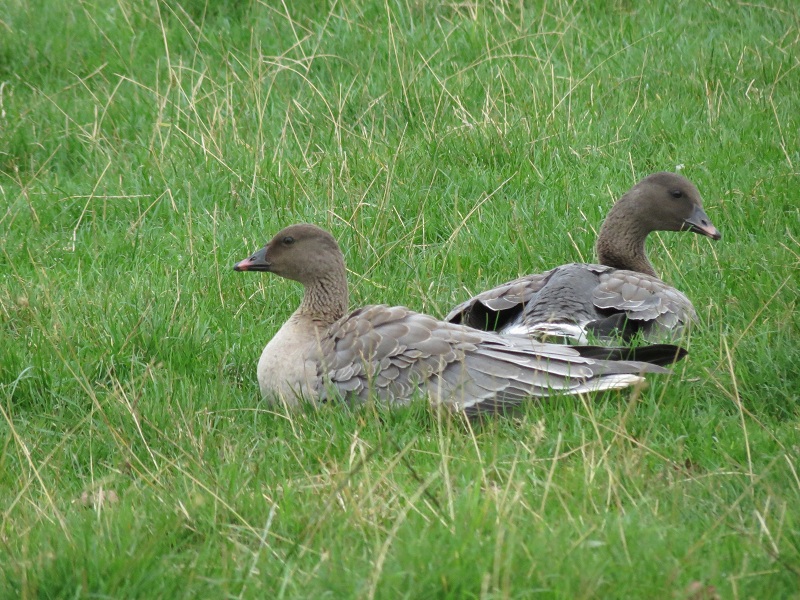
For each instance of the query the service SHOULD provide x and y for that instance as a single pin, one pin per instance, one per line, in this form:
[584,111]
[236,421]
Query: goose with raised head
[616,299]
[393,354]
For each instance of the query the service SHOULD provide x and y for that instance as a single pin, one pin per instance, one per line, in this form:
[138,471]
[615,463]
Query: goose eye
[676,193]
[288,240]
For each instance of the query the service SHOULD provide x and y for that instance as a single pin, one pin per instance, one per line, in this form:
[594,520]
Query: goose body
[393,354]
[622,296]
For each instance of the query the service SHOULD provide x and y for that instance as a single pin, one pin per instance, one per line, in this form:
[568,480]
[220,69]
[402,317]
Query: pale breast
[287,369]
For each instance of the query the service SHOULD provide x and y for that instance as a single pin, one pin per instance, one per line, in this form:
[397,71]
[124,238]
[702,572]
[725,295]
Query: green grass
[145,147]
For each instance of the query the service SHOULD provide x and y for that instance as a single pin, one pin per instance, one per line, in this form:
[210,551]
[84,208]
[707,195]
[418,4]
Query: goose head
[659,202]
[309,255]
[667,202]
[303,253]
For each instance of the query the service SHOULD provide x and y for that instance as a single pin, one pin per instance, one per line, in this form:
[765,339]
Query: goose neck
[325,300]
[621,243]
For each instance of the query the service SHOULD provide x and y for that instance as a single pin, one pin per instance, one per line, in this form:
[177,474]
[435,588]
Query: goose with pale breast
[392,354]
[618,298]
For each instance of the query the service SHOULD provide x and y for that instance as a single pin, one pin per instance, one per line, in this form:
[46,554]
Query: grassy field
[147,146]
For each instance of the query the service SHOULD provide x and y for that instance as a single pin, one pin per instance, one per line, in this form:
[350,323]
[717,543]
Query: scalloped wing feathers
[575,300]
[395,354]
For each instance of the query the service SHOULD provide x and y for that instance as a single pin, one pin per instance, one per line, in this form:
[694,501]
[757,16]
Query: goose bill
[699,222]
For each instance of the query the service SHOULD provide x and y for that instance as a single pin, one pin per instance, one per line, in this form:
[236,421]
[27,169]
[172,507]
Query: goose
[618,298]
[393,354]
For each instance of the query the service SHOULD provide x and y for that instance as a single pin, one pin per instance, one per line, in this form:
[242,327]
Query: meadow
[146,146]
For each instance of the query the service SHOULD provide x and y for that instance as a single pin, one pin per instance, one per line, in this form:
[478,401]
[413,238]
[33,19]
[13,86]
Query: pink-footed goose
[620,297]
[393,354]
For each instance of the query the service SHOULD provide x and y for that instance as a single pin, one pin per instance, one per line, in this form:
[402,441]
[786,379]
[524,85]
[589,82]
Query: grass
[145,147]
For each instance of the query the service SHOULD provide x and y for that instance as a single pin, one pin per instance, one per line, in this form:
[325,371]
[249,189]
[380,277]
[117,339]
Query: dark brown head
[302,252]
[666,202]
[659,202]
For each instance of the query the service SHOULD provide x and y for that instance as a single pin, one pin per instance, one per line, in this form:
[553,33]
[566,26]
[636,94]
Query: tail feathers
[655,354]
[608,382]
[557,333]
